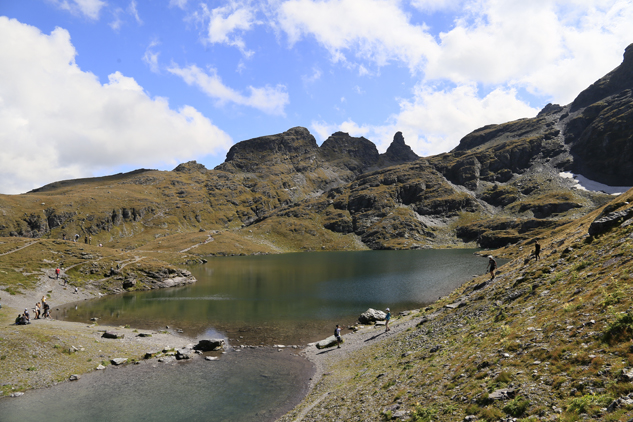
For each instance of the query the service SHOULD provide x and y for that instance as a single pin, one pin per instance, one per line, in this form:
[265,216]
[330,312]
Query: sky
[97,87]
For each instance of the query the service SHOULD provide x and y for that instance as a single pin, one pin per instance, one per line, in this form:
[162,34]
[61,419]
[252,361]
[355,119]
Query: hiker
[337,334]
[63,236]
[537,250]
[387,318]
[47,310]
[27,316]
[57,271]
[86,240]
[76,237]
[38,310]
[76,290]
[493,266]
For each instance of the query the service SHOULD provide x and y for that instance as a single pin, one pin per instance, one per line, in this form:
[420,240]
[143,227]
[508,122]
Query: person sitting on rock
[26,315]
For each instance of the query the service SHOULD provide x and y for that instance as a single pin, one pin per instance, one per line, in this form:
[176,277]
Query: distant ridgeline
[283,192]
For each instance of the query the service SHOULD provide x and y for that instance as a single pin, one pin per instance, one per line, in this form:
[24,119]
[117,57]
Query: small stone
[74,377]
[100,367]
[118,361]
[211,358]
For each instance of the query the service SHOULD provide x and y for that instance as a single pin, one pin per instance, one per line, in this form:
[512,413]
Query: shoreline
[325,360]
[51,350]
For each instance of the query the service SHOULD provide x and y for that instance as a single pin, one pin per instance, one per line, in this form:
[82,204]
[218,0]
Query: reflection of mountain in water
[289,298]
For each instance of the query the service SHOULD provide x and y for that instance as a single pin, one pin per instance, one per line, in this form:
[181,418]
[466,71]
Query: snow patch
[590,185]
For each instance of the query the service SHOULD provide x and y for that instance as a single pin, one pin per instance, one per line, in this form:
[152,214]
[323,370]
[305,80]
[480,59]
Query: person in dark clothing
[492,264]
[537,250]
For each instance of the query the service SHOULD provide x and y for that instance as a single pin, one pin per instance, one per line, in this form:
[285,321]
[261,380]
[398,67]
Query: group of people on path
[492,264]
[41,310]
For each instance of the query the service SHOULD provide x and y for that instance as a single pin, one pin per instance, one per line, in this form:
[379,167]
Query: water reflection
[288,298]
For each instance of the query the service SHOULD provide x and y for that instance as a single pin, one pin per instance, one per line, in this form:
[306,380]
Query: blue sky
[94,87]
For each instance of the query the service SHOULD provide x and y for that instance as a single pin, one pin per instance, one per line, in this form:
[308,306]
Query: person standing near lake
[337,334]
[492,264]
[387,319]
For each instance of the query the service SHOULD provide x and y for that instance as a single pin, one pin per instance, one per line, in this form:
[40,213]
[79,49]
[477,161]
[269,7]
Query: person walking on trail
[537,250]
[57,271]
[337,334]
[492,264]
[387,319]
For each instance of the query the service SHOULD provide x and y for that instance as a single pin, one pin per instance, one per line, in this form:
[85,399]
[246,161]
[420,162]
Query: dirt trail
[19,249]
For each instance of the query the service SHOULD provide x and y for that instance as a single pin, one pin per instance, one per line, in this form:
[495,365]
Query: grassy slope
[541,328]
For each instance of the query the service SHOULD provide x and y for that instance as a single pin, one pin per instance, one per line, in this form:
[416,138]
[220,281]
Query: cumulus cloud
[378,31]
[434,120]
[227,23]
[87,8]
[551,47]
[270,100]
[59,122]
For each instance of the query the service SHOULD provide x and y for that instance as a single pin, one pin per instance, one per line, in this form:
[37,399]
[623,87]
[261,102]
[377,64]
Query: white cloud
[554,48]
[134,12]
[267,99]
[59,122]
[87,8]
[117,22]
[227,23]
[150,57]
[436,5]
[182,4]
[435,120]
[310,79]
[378,31]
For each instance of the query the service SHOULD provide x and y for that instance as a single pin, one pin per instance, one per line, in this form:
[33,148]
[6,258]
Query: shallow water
[288,298]
[251,385]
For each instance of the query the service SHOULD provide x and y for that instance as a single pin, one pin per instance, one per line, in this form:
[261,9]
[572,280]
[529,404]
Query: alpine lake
[265,300]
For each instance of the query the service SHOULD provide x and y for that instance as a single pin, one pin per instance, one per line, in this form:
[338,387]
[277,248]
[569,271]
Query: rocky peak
[619,79]
[355,154]
[190,167]
[550,109]
[398,151]
[294,144]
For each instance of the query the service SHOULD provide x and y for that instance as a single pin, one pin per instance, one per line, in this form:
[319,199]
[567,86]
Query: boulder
[74,377]
[502,394]
[371,315]
[612,219]
[182,354]
[328,342]
[118,361]
[209,345]
[627,374]
[111,334]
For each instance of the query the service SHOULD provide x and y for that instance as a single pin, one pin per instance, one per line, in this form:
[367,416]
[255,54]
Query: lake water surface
[287,299]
